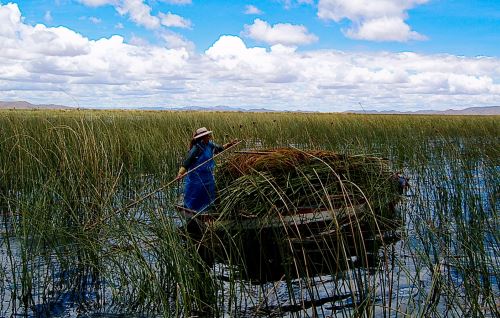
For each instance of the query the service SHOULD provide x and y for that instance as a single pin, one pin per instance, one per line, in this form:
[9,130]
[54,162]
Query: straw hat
[200,132]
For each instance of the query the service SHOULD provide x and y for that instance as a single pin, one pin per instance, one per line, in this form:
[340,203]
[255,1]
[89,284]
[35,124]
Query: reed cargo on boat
[269,181]
[284,206]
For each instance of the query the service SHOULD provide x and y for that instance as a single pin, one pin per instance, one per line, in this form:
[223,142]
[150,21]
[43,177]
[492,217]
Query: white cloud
[281,33]
[234,61]
[178,2]
[11,20]
[45,41]
[384,29]
[58,55]
[290,3]
[47,17]
[229,51]
[95,20]
[174,40]
[138,41]
[98,3]
[381,20]
[466,84]
[119,26]
[251,9]
[138,11]
[282,49]
[364,9]
[174,20]
[39,63]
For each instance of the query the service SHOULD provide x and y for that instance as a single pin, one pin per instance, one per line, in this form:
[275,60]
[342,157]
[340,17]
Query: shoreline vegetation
[72,242]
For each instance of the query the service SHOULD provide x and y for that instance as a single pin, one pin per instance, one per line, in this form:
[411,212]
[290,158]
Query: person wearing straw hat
[199,185]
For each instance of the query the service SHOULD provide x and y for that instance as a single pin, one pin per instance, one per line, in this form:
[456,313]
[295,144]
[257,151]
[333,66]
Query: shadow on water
[296,261]
[294,249]
[269,256]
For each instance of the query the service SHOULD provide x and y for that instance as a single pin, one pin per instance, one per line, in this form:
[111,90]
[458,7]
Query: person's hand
[229,144]
[181,173]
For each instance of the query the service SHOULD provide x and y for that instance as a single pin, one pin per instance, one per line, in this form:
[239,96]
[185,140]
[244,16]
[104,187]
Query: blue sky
[326,55]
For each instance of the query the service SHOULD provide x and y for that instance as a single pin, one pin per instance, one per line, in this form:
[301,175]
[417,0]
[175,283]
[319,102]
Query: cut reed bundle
[259,182]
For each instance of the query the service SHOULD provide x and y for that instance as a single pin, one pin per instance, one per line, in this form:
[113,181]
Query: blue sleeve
[216,147]
[190,158]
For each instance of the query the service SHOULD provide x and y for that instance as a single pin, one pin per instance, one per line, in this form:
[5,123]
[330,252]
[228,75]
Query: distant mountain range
[489,110]
[212,109]
[26,105]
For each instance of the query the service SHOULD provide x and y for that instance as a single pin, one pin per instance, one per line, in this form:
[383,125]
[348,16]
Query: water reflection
[284,270]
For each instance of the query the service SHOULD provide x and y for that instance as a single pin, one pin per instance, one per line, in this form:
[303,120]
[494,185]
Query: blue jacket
[199,185]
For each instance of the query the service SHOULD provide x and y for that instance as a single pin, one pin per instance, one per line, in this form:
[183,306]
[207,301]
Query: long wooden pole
[135,202]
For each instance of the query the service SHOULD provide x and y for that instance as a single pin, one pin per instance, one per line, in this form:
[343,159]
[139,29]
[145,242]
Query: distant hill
[26,105]
[489,110]
[212,109]
[198,108]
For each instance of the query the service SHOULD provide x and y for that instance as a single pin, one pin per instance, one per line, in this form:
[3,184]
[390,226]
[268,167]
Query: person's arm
[229,144]
[217,148]
[188,162]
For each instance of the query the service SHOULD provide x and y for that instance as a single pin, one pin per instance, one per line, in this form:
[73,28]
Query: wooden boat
[314,240]
[302,220]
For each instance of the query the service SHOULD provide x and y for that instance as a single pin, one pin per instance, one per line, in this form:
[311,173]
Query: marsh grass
[68,178]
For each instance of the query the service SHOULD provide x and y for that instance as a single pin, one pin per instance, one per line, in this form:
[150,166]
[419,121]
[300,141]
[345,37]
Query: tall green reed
[65,174]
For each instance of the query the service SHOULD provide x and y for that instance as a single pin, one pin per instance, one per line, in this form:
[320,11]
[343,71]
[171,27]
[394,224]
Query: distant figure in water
[199,185]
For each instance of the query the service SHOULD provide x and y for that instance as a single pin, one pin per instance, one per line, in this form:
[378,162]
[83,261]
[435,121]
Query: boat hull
[307,241]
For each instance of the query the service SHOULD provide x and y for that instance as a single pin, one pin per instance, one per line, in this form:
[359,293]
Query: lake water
[419,273]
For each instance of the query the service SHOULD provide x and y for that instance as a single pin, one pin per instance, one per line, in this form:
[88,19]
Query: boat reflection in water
[305,242]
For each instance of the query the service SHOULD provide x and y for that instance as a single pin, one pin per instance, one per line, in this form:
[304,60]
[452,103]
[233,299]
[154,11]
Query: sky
[309,55]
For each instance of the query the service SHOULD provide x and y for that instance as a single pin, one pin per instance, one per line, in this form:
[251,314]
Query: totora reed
[82,234]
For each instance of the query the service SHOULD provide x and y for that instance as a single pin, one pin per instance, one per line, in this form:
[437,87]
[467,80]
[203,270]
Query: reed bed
[83,224]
